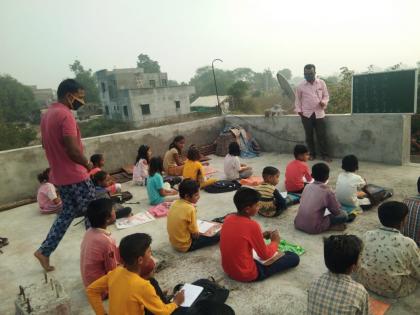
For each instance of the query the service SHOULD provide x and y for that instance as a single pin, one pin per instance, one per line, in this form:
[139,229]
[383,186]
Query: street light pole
[215,84]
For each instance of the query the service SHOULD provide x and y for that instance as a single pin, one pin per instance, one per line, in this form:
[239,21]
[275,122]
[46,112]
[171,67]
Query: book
[191,293]
[266,262]
[137,219]
[208,228]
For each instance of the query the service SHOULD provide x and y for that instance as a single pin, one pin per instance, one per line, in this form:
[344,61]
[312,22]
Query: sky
[39,39]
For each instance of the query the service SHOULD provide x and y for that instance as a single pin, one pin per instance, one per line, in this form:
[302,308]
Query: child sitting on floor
[240,235]
[316,198]
[156,191]
[98,252]
[173,162]
[271,203]
[129,292]
[412,224]
[141,167]
[349,185]
[233,167]
[182,220]
[98,162]
[48,200]
[390,261]
[194,170]
[297,171]
[101,181]
[335,292]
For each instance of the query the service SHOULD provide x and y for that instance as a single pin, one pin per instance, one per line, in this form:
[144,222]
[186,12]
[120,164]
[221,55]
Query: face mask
[77,103]
[309,77]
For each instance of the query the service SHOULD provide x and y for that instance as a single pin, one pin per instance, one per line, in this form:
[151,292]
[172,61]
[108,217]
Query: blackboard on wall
[385,92]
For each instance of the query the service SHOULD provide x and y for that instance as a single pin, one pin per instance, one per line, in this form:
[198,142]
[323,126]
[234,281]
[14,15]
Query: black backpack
[377,194]
[222,186]
[210,301]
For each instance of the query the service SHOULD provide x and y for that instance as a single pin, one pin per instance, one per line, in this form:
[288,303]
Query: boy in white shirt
[349,184]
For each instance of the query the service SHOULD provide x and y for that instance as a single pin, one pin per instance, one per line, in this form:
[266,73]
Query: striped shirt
[266,203]
[412,225]
[337,294]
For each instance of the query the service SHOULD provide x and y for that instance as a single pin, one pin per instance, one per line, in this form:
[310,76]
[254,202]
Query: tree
[147,64]
[203,81]
[15,136]
[238,91]
[287,73]
[17,102]
[86,78]
[340,93]
[173,83]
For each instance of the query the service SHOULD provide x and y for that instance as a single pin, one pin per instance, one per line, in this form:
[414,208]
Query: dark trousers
[339,219]
[287,261]
[204,241]
[310,124]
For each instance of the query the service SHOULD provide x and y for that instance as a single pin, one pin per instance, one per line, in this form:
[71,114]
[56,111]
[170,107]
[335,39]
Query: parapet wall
[20,167]
[381,138]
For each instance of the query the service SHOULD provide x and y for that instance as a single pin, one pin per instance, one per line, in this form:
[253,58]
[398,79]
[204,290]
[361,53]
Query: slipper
[4,241]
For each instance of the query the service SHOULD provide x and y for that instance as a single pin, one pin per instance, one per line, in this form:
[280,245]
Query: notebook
[267,262]
[191,292]
[208,228]
[137,219]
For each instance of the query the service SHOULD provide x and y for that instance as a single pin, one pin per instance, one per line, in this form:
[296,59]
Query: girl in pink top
[141,167]
[98,163]
[48,200]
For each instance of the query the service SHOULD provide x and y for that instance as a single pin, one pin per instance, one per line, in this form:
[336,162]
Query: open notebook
[191,292]
[208,228]
[266,262]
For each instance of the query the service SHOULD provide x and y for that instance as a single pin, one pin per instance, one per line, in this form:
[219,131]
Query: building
[43,97]
[206,104]
[138,97]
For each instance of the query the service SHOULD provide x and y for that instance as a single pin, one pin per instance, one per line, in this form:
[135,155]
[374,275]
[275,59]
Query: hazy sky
[39,39]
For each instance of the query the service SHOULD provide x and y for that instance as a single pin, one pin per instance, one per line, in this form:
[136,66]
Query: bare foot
[44,261]
[338,227]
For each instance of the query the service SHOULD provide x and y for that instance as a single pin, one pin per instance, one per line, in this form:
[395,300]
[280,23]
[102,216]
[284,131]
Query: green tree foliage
[287,73]
[102,126]
[148,65]
[204,83]
[86,78]
[237,91]
[340,93]
[15,135]
[17,102]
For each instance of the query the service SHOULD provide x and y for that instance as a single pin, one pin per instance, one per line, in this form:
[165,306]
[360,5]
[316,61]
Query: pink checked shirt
[308,96]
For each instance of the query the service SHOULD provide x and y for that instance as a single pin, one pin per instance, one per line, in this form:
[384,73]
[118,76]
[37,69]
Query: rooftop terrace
[282,294]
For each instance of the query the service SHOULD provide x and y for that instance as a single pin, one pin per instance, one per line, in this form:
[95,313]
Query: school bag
[210,301]
[172,180]
[377,194]
[222,186]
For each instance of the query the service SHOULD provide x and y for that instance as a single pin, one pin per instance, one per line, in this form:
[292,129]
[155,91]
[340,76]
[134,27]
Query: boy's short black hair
[188,187]
[309,66]
[96,159]
[350,163]
[320,172]
[392,213]
[134,246]
[418,185]
[193,153]
[155,165]
[341,252]
[245,197]
[44,176]
[98,211]
[300,149]
[270,171]
[234,149]
[68,86]
[99,177]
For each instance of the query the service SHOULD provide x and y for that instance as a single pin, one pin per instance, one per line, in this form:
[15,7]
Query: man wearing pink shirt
[69,167]
[311,101]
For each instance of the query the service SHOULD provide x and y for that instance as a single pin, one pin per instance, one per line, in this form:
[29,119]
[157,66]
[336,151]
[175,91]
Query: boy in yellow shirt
[130,294]
[193,169]
[182,220]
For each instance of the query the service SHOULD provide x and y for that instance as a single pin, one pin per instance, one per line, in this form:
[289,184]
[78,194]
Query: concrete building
[135,96]
[209,103]
[43,97]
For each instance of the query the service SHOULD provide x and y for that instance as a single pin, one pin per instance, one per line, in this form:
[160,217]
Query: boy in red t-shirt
[297,171]
[240,235]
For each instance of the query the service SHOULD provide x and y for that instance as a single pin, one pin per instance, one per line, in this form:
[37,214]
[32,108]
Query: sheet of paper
[191,292]
[137,219]
[204,226]
[364,202]
[283,194]
[257,258]
[327,212]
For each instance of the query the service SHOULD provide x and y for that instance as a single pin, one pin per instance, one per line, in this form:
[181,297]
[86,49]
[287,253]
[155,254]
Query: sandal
[4,241]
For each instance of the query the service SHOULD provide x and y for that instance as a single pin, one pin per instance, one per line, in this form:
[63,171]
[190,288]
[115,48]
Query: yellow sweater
[181,223]
[195,170]
[128,293]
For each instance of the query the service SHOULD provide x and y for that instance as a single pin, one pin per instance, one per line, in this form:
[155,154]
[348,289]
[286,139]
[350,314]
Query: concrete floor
[282,294]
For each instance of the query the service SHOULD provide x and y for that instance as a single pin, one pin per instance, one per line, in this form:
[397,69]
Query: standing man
[311,101]
[69,167]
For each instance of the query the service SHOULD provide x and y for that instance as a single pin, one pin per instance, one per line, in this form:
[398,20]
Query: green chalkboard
[385,92]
